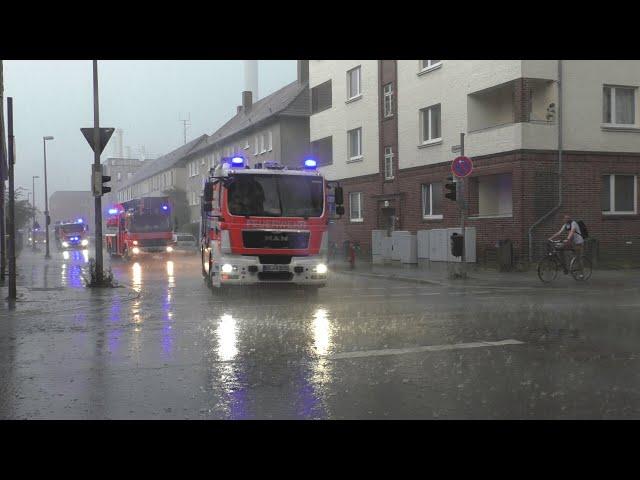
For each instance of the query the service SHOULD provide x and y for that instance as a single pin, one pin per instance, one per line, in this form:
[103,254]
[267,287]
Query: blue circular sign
[462,166]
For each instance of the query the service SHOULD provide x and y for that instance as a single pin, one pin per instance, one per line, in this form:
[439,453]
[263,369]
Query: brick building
[391,127]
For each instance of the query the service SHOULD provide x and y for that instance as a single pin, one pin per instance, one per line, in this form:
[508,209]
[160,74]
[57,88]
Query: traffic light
[105,179]
[452,189]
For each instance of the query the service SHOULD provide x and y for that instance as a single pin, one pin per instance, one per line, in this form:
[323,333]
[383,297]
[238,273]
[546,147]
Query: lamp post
[46,197]
[33,219]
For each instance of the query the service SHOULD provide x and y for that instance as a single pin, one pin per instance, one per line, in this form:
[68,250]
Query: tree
[24,210]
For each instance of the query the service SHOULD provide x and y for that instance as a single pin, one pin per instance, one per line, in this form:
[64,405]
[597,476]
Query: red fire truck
[70,234]
[140,227]
[266,224]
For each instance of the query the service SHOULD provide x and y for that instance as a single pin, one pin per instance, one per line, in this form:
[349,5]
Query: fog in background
[144,98]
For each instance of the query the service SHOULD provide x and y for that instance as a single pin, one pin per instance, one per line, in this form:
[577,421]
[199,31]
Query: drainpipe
[557,207]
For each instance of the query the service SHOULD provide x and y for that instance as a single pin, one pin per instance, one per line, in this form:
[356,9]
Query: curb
[395,277]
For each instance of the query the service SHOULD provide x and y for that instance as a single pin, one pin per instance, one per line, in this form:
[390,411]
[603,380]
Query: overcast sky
[144,98]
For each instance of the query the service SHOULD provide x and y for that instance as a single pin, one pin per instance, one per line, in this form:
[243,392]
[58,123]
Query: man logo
[276,238]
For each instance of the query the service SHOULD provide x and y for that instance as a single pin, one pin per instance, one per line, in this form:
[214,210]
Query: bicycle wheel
[580,274]
[548,269]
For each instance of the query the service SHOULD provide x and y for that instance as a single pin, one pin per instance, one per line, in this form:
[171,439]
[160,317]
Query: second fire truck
[140,227]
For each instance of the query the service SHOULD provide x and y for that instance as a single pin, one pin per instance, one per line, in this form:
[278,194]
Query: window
[430,123]
[429,64]
[432,200]
[256,150]
[119,176]
[262,148]
[388,99]
[322,151]
[246,144]
[353,83]
[388,163]
[270,142]
[196,168]
[619,105]
[619,193]
[355,206]
[129,175]
[355,144]
[494,195]
[321,97]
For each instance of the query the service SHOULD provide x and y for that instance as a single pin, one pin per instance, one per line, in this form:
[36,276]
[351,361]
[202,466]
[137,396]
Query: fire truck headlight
[321,268]
[65,244]
[135,242]
[135,250]
[169,249]
[227,268]
[85,242]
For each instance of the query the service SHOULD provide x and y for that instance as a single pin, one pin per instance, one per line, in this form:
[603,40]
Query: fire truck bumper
[249,271]
[138,251]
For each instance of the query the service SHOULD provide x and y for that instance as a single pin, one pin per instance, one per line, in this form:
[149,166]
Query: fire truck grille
[275,259]
[153,242]
[268,239]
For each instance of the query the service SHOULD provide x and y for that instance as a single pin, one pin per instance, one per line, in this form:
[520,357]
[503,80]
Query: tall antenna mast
[186,122]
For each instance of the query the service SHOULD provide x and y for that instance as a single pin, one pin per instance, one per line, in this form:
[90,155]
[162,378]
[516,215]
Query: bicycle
[552,262]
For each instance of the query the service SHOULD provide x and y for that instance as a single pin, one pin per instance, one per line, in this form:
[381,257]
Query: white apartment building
[522,119]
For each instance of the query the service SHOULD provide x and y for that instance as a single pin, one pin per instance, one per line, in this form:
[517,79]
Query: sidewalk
[52,285]
[437,273]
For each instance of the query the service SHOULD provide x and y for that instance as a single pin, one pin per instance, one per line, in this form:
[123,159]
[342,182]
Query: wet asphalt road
[166,347]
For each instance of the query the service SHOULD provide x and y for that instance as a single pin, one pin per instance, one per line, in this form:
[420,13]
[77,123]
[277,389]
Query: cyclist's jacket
[577,236]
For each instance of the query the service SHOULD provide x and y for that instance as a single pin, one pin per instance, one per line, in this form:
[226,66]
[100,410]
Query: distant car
[185,242]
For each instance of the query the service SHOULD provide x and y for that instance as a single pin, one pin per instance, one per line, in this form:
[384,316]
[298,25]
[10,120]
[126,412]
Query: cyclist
[574,241]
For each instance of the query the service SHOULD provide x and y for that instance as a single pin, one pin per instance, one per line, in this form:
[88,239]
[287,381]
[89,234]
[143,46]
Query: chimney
[239,109]
[303,71]
[251,77]
[246,101]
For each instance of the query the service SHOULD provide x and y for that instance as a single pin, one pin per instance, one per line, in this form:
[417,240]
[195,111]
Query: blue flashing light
[165,207]
[310,164]
[79,220]
[113,211]
[237,161]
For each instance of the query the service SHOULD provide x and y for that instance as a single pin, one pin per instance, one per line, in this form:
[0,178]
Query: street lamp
[46,197]
[33,205]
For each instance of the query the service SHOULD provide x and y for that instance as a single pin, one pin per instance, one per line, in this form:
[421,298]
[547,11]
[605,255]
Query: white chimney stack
[251,78]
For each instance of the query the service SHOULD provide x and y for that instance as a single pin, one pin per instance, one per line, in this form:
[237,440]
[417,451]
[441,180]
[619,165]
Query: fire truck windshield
[276,196]
[141,223]
[72,228]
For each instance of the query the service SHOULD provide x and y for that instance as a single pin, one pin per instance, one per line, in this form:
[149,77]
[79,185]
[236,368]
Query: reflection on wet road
[167,347]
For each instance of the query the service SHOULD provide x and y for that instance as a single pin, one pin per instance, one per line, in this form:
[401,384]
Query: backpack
[583,229]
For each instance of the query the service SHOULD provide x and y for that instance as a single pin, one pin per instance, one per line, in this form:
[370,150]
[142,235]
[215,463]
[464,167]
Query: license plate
[275,268]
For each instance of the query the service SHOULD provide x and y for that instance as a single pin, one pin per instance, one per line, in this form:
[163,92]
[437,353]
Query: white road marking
[428,348]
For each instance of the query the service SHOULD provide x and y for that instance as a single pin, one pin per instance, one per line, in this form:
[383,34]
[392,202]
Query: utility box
[376,241]
[438,245]
[422,237]
[504,255]
[387,245]
[395,246]
[408,245]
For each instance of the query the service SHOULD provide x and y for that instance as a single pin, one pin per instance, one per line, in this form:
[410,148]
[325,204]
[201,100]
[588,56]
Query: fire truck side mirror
[339,196]
[207,207]
[208,193]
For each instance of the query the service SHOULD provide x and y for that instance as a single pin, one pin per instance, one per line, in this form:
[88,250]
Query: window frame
[387,95]
[388,156]
[270,141]
[429,67]
[360,217]
[612,194]
[430,215]
[360,156]
[613,123]
[429,109]
[349,73]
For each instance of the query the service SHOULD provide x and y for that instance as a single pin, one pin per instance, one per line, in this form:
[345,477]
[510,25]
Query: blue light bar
[237,161]
[310,164]
[165,207]
[113,211]
[79,220]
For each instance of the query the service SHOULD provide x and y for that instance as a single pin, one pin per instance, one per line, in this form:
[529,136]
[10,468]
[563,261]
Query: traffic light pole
[96,161]
[461,200]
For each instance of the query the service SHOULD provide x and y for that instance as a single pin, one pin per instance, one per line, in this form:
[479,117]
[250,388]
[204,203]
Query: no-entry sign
[462,167]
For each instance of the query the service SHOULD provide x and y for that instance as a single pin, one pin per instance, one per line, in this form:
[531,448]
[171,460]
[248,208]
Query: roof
[151,168]
[290,100]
